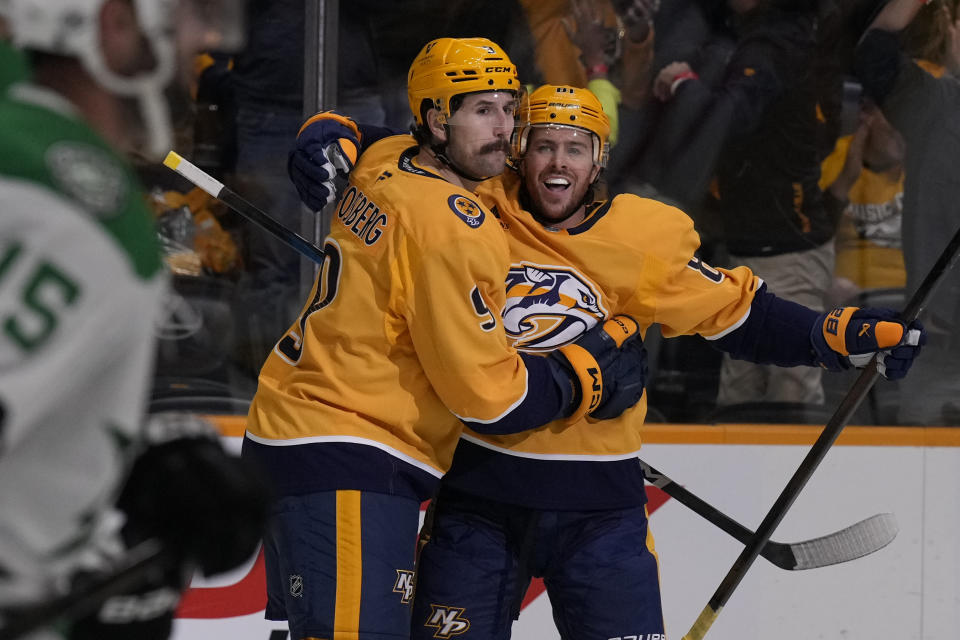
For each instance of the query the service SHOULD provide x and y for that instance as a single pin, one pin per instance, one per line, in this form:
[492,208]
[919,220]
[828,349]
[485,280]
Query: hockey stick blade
[818,451]
[856,541]
[248,210]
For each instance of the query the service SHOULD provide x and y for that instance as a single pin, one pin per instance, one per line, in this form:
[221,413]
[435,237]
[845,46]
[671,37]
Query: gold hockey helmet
[447,67]
[564,106]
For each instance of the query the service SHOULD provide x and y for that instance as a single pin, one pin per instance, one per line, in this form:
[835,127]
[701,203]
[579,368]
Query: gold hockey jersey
[400,339]
[630,255]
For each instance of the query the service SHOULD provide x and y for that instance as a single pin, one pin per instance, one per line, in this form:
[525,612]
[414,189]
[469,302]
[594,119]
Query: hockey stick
[147,560]
[816,454]
[853,542]
[856,541]
[248,210]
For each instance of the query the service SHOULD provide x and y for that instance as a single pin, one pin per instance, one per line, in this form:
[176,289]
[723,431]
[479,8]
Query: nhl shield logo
[296,585]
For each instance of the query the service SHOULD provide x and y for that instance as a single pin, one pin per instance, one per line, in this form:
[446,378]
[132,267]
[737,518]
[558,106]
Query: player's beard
[549,209]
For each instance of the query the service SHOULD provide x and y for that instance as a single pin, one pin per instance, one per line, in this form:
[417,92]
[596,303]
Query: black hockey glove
[610,363]
[207,505]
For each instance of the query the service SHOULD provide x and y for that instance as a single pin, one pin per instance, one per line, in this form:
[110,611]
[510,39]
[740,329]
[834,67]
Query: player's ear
[435,122]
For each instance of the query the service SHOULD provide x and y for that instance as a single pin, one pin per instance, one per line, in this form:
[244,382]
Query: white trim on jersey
[736,325]
[292,442]
[42,97]
[570,457]
[523,396]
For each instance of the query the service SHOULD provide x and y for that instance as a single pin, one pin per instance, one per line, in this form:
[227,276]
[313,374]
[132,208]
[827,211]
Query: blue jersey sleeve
[549,396]
[776,331]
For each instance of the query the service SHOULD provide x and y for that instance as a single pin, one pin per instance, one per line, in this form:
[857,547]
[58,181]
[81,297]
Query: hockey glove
[851,336]
[209,506]
[327,145]
[609,363]
[624,381]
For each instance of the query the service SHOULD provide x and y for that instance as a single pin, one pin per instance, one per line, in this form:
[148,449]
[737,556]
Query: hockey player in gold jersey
[360,405]
[568,504]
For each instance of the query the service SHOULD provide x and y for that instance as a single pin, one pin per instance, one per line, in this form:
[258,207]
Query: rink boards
[908,590]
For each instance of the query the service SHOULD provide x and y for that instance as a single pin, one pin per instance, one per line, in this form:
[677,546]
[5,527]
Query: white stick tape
[192,173]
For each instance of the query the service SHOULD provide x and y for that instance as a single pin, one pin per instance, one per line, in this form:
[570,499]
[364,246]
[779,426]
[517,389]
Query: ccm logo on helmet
[498,70]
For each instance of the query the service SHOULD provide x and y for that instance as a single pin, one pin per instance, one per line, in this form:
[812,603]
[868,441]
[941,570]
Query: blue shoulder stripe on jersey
[549,394]
[595,211]
[777,331]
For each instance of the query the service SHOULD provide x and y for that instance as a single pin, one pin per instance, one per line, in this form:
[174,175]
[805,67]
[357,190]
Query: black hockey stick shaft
[857,540]
[144,562]
[777,553]
[245,208]
[817,452]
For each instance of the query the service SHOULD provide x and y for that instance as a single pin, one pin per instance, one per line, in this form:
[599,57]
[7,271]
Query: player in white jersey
[81,285]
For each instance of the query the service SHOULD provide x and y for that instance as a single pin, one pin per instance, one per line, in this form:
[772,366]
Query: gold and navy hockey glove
[327,146]
[610,364]
[850,336]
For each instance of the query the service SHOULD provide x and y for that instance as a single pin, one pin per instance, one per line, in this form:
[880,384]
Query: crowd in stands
[814,152]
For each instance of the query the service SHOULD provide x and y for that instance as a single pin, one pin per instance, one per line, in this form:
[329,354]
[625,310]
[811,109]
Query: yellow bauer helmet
[564,106]
[447,67]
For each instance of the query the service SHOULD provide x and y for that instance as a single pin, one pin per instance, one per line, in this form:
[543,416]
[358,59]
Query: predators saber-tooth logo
[548,307]
[404,585]
[448,621]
